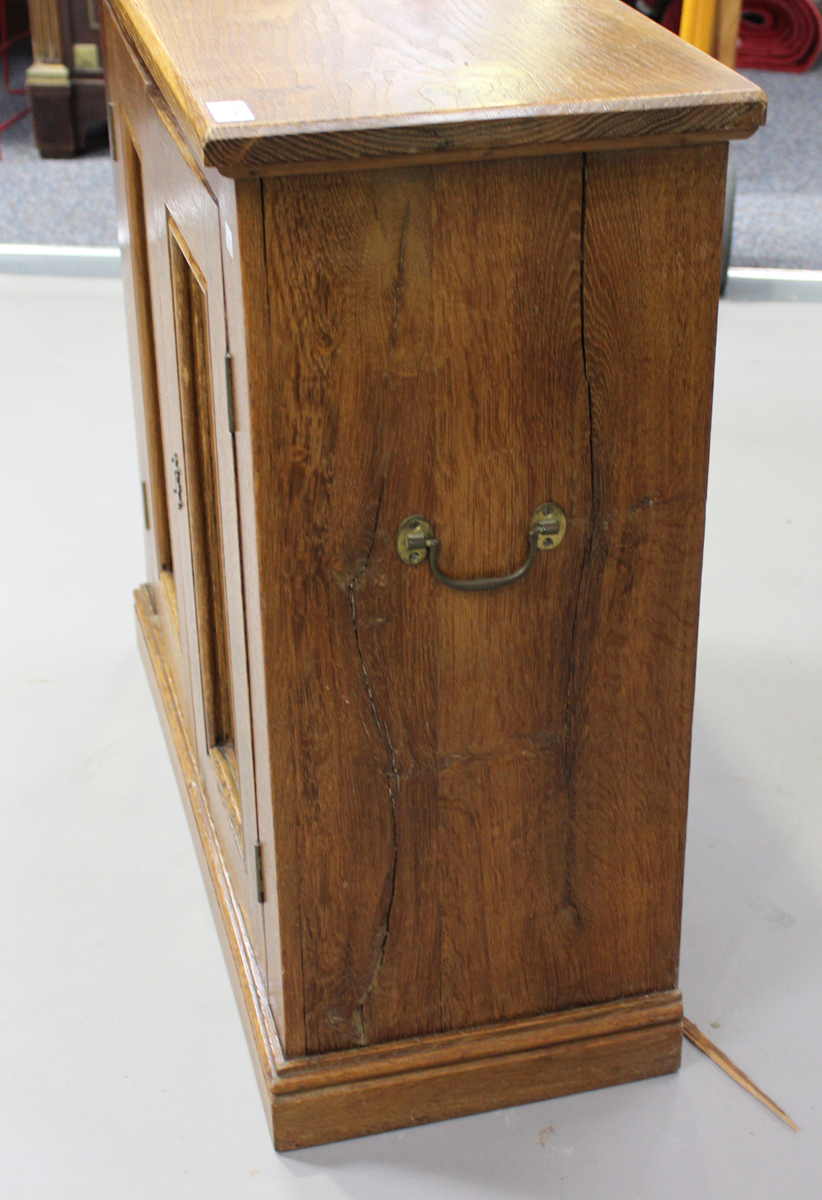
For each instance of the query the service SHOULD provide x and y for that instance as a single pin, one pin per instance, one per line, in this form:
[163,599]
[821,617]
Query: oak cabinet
[412,305]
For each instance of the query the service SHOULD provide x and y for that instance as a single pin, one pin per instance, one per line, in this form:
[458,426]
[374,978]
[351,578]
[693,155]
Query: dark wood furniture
[461,265]
[65,81]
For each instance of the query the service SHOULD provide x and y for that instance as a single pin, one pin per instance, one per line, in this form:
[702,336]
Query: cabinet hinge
[146,517]
[112,138]
[258,868]
[229,390]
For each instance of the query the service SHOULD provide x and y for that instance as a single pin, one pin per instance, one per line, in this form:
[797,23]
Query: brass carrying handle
[416,542]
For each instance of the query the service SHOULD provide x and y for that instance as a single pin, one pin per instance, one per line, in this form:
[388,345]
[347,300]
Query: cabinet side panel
[481,799]
[426,332]
[651,280]
[319,466]
[511,413]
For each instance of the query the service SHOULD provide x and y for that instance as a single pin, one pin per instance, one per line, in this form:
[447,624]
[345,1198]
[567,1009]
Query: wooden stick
[697,1037]
[728,14]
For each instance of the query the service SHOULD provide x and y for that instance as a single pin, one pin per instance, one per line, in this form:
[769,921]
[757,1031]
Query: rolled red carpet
[774,35]
[779,35]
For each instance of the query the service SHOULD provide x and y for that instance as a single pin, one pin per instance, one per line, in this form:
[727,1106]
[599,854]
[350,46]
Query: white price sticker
[226,111]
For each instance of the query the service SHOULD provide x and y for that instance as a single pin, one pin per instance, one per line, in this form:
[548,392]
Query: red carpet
[779,35]
[774,35]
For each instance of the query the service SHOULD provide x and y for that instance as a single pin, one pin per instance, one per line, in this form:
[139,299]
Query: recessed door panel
[178,314]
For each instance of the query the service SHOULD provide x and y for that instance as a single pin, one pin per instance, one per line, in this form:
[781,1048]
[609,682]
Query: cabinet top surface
[324,80]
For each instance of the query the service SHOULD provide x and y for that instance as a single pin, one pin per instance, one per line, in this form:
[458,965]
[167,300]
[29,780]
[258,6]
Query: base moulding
[352,1093]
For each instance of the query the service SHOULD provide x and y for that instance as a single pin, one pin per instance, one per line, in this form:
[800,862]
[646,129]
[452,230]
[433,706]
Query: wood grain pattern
[469,141]
[150,383]
[133,207]
[246,286]
[650,302]
[365,408]
[187,274]
[471,806]
[182,219]
[195,390]
[323,1098]
[483,1042]
[146,355]
[480,800]
[511,418]
[328,82]
[417,1097]
[241,955]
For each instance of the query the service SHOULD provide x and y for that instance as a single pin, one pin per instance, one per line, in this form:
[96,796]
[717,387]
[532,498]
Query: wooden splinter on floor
[698,1039]
[422,310]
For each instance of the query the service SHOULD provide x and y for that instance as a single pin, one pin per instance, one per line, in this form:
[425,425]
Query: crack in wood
[358,1018]
[267,266]
[569,902]
[398,282]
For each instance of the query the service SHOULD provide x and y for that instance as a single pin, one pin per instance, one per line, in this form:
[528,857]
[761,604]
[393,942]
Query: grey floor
[778,220]
[778,217]
[124,1069]
[52,202]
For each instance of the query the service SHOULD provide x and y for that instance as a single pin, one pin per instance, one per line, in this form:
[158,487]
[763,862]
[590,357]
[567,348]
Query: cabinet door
[179,335]
[128,89]
[192,363]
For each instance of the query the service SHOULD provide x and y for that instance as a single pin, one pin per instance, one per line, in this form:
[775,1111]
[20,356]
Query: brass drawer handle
[416,542]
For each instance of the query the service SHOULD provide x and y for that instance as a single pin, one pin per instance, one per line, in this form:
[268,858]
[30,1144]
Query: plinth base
[351,1093]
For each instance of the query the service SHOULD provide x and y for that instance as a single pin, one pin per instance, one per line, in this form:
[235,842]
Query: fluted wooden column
[48,83]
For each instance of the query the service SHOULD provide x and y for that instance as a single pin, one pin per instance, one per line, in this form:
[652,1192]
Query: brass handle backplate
[416,542]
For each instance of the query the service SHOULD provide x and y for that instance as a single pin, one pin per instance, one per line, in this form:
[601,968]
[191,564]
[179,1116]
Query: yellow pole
[696,24]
